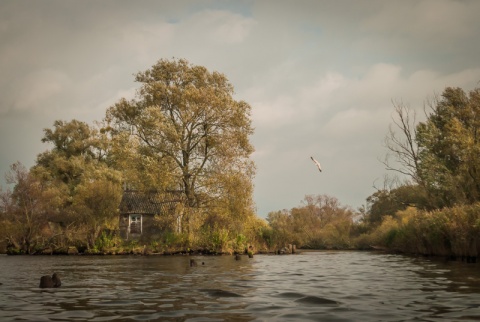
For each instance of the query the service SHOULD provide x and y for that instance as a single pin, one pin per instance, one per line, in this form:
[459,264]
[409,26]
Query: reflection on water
[317,286]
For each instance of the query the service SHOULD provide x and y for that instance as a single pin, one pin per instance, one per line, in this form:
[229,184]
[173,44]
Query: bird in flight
[317,164]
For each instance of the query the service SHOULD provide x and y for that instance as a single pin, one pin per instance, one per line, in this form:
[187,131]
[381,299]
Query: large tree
[441,155]
[77,166]
[449,144]
[185,127]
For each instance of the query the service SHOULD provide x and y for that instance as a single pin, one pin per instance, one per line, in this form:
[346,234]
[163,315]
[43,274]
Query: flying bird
[317,164]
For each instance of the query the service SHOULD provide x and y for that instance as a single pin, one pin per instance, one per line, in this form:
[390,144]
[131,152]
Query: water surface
[315,286]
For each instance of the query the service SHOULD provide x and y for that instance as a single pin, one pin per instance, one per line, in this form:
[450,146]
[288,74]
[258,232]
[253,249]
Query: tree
[401,143]
[387,202]
[75,144]
[185,126]
[449,143]
[440,155]
[281,223]
[77,165]
[96,201]
[28,208]
[321,222]
[325,221]
[72,138]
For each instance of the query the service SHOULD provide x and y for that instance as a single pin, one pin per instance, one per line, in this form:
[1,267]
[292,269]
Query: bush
[363,241]
[449,231]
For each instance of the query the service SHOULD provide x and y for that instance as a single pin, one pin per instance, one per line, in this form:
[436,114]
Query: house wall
[148,228]
[123,226]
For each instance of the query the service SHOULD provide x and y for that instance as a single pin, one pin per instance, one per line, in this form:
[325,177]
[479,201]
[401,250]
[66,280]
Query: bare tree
[401,143]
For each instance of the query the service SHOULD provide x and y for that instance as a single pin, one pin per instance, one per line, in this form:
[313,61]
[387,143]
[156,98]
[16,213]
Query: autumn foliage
[184,131]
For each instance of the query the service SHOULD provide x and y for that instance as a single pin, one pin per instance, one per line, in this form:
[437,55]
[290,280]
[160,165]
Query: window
[135,225]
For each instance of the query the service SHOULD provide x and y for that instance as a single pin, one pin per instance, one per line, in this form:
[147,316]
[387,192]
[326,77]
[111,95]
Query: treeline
[185,132]
[321,222]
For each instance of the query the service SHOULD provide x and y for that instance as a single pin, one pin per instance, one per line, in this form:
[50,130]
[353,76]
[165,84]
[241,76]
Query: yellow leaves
[407,216]
[414,230]
[98,199]
[450,147]
[188,123]
[320,222]
[389,223]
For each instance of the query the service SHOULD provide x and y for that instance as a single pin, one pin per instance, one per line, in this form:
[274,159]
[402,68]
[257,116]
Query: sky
[321,76]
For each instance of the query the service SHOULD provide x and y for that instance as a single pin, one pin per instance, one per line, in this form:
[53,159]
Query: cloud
[36,89]
[431,20]
[320,75]
[320,95]
[275,113]
[146,40]
[354,122]
[216,27]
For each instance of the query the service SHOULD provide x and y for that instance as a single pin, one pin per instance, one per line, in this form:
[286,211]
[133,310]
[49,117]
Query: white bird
[317,164]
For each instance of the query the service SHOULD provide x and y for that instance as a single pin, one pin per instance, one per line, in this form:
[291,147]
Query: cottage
[138,209]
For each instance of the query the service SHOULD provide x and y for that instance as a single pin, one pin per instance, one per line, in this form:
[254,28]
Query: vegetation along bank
[170,171]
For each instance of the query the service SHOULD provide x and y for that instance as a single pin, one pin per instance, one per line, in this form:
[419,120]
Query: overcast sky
[320,75]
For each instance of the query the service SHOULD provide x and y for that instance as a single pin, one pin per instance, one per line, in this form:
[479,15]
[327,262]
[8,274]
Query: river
[311,286]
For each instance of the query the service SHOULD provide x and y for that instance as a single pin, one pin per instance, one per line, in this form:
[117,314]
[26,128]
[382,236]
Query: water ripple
[327,286]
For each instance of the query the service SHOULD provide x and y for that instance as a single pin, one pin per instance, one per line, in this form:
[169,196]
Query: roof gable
[150,203]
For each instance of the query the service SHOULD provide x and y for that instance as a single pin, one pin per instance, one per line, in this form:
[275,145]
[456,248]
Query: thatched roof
[149,203]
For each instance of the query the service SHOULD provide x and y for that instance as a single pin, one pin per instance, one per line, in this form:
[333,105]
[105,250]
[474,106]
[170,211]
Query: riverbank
[202,252]
[144,251]
[151,250]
